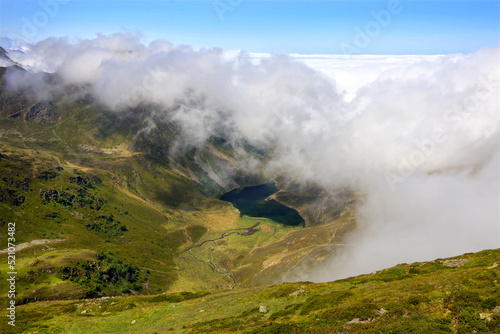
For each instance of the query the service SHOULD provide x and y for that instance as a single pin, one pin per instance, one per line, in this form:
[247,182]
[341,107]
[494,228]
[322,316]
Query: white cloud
[355,71]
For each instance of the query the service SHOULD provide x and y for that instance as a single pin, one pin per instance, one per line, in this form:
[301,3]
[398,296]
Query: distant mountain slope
[13,44]
[4,58]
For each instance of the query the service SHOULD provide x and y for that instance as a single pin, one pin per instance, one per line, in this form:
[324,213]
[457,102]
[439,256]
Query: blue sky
[308,27]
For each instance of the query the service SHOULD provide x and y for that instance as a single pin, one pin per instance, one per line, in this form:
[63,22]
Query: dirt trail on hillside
[31,244]
[212,263]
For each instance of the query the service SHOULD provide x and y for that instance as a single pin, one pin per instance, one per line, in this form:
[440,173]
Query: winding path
[30,244]
[212,263]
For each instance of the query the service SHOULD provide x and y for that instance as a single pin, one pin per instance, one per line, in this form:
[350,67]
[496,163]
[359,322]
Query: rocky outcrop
[42,112]
[454,263]
[23,185]
[49,195]
[12,196]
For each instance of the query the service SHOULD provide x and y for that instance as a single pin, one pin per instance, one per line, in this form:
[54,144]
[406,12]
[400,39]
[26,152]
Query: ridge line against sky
[285,26]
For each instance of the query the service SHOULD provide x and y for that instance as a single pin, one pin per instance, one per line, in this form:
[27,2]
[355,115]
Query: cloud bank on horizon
[418,134]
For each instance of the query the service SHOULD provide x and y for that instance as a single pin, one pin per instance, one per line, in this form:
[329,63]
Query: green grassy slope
[89,212]
[122,211]
[458,295]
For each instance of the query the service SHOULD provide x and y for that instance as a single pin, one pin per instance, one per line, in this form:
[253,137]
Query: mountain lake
[251,201]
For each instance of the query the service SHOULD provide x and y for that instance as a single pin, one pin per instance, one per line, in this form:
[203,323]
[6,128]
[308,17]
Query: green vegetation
[107,271]
[86,185]
[440,299]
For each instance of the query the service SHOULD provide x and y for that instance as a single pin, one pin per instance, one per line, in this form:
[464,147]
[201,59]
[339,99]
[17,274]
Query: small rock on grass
[382,311]
[358,321]
[297,293]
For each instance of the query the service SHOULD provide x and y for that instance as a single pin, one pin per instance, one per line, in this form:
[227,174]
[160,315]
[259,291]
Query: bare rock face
[42,112]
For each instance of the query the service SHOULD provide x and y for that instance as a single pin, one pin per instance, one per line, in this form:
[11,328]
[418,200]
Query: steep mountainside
[105,204]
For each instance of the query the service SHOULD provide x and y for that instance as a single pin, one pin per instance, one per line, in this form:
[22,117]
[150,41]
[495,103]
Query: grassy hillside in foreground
[458,295]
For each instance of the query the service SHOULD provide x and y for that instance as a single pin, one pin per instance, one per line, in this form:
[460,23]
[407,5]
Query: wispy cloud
[417,134]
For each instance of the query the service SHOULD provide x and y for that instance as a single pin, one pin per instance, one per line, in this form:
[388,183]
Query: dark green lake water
[251,202]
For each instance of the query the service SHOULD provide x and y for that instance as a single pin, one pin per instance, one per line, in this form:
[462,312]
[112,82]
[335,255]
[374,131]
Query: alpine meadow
[249,166]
